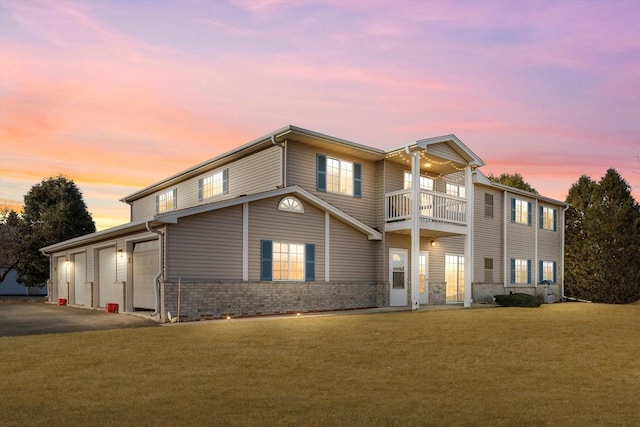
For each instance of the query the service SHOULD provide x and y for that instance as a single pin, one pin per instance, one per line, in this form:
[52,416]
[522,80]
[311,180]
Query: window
[520,271]
[547,271]
[488,205]
[290,204]
[338,176]
[520,211]
[455,190]
[426,183]
[213,185]
[287,261]
[548,218]
[166,201]
[488,270]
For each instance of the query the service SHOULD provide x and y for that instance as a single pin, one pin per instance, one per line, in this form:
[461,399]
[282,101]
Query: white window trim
[340,179]
[273,255]
[407,184]
[291,204]
[547,214]
[522,265]
[522,207]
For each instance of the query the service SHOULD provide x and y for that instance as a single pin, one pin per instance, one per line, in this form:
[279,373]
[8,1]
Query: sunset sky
[117,95]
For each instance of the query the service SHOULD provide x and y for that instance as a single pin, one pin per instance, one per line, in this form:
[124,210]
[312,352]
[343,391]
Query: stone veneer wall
[437,293]
[212,300]
[484,292]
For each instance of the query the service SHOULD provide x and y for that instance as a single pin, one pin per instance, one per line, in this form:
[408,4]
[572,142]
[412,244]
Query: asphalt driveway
[35,317]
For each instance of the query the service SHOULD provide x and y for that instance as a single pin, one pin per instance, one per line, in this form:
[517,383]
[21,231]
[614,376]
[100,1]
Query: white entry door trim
[398,277]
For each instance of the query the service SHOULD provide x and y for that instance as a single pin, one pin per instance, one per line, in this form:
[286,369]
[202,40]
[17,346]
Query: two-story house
[298,221]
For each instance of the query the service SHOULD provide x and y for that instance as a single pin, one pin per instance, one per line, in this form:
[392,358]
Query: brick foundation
[216,300]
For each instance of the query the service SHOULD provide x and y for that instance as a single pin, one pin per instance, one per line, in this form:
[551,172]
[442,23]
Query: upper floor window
[455,190]
[290,204]
[520,271]
[488,205]
[520,211]
[548,218]
[214,184]
[426,183]
[167,201]
[338,176]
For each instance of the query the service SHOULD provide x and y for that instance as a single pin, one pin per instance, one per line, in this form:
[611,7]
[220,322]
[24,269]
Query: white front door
[398,269]
[423,277]
[454,276]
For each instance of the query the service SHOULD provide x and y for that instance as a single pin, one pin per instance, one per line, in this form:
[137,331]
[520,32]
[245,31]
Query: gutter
[156,281]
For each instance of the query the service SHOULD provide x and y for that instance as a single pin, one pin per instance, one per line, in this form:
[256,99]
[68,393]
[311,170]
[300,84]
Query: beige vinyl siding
[521,237]
[488,234]
[549,241]
[249,175]
[301,171]
[352,254]
[394,176]
[207,246]
[443,150]
[266,222]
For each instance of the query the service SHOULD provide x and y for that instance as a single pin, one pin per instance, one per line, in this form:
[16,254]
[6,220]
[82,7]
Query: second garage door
[145,270]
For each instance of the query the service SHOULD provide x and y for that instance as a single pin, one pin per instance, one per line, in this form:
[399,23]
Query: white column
[468,238]
[415,228]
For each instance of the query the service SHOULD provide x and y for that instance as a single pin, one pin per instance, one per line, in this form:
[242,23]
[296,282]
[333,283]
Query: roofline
[97,236]
[267,139]
[487,182]
[174,216]
[423,143]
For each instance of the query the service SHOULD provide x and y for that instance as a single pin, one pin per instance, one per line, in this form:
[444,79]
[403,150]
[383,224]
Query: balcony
[438,211]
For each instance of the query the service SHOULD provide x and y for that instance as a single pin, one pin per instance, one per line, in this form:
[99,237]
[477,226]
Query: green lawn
[562,364]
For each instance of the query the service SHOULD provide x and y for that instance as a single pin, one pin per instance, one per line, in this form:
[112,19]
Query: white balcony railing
[433,207]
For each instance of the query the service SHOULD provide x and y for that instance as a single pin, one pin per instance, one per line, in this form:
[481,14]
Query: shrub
[518,300]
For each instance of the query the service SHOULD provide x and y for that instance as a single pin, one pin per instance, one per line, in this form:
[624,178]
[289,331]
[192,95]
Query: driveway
[35,317]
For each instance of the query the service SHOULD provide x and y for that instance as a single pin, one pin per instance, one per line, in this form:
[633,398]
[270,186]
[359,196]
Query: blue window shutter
[310,262]
[157,203]
[513,209]
[555,221]
[225,181]
[200,190]
[540,271]
[541,223]
[175,198]
[266,256]
[357,180]
[529,213]
[554,272]
[321,170]
[528,271]
[513,270]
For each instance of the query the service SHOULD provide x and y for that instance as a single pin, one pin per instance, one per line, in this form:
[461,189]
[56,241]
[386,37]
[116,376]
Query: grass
[561,364]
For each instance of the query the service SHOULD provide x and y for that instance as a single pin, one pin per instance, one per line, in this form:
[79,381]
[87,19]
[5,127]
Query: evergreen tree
[602,260]
[513,180]
[9,220]
[54,210]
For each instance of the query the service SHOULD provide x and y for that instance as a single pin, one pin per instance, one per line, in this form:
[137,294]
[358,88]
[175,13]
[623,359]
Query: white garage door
[82,289]
[145,270]
[61,278]
[108,290]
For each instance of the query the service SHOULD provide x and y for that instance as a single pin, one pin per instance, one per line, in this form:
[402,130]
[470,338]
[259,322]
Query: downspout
[562,249]
[156,281]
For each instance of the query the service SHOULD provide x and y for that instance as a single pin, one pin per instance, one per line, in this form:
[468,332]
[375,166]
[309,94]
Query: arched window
[290,204]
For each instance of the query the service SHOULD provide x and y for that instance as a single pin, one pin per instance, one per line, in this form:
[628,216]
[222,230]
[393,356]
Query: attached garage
[145,270]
